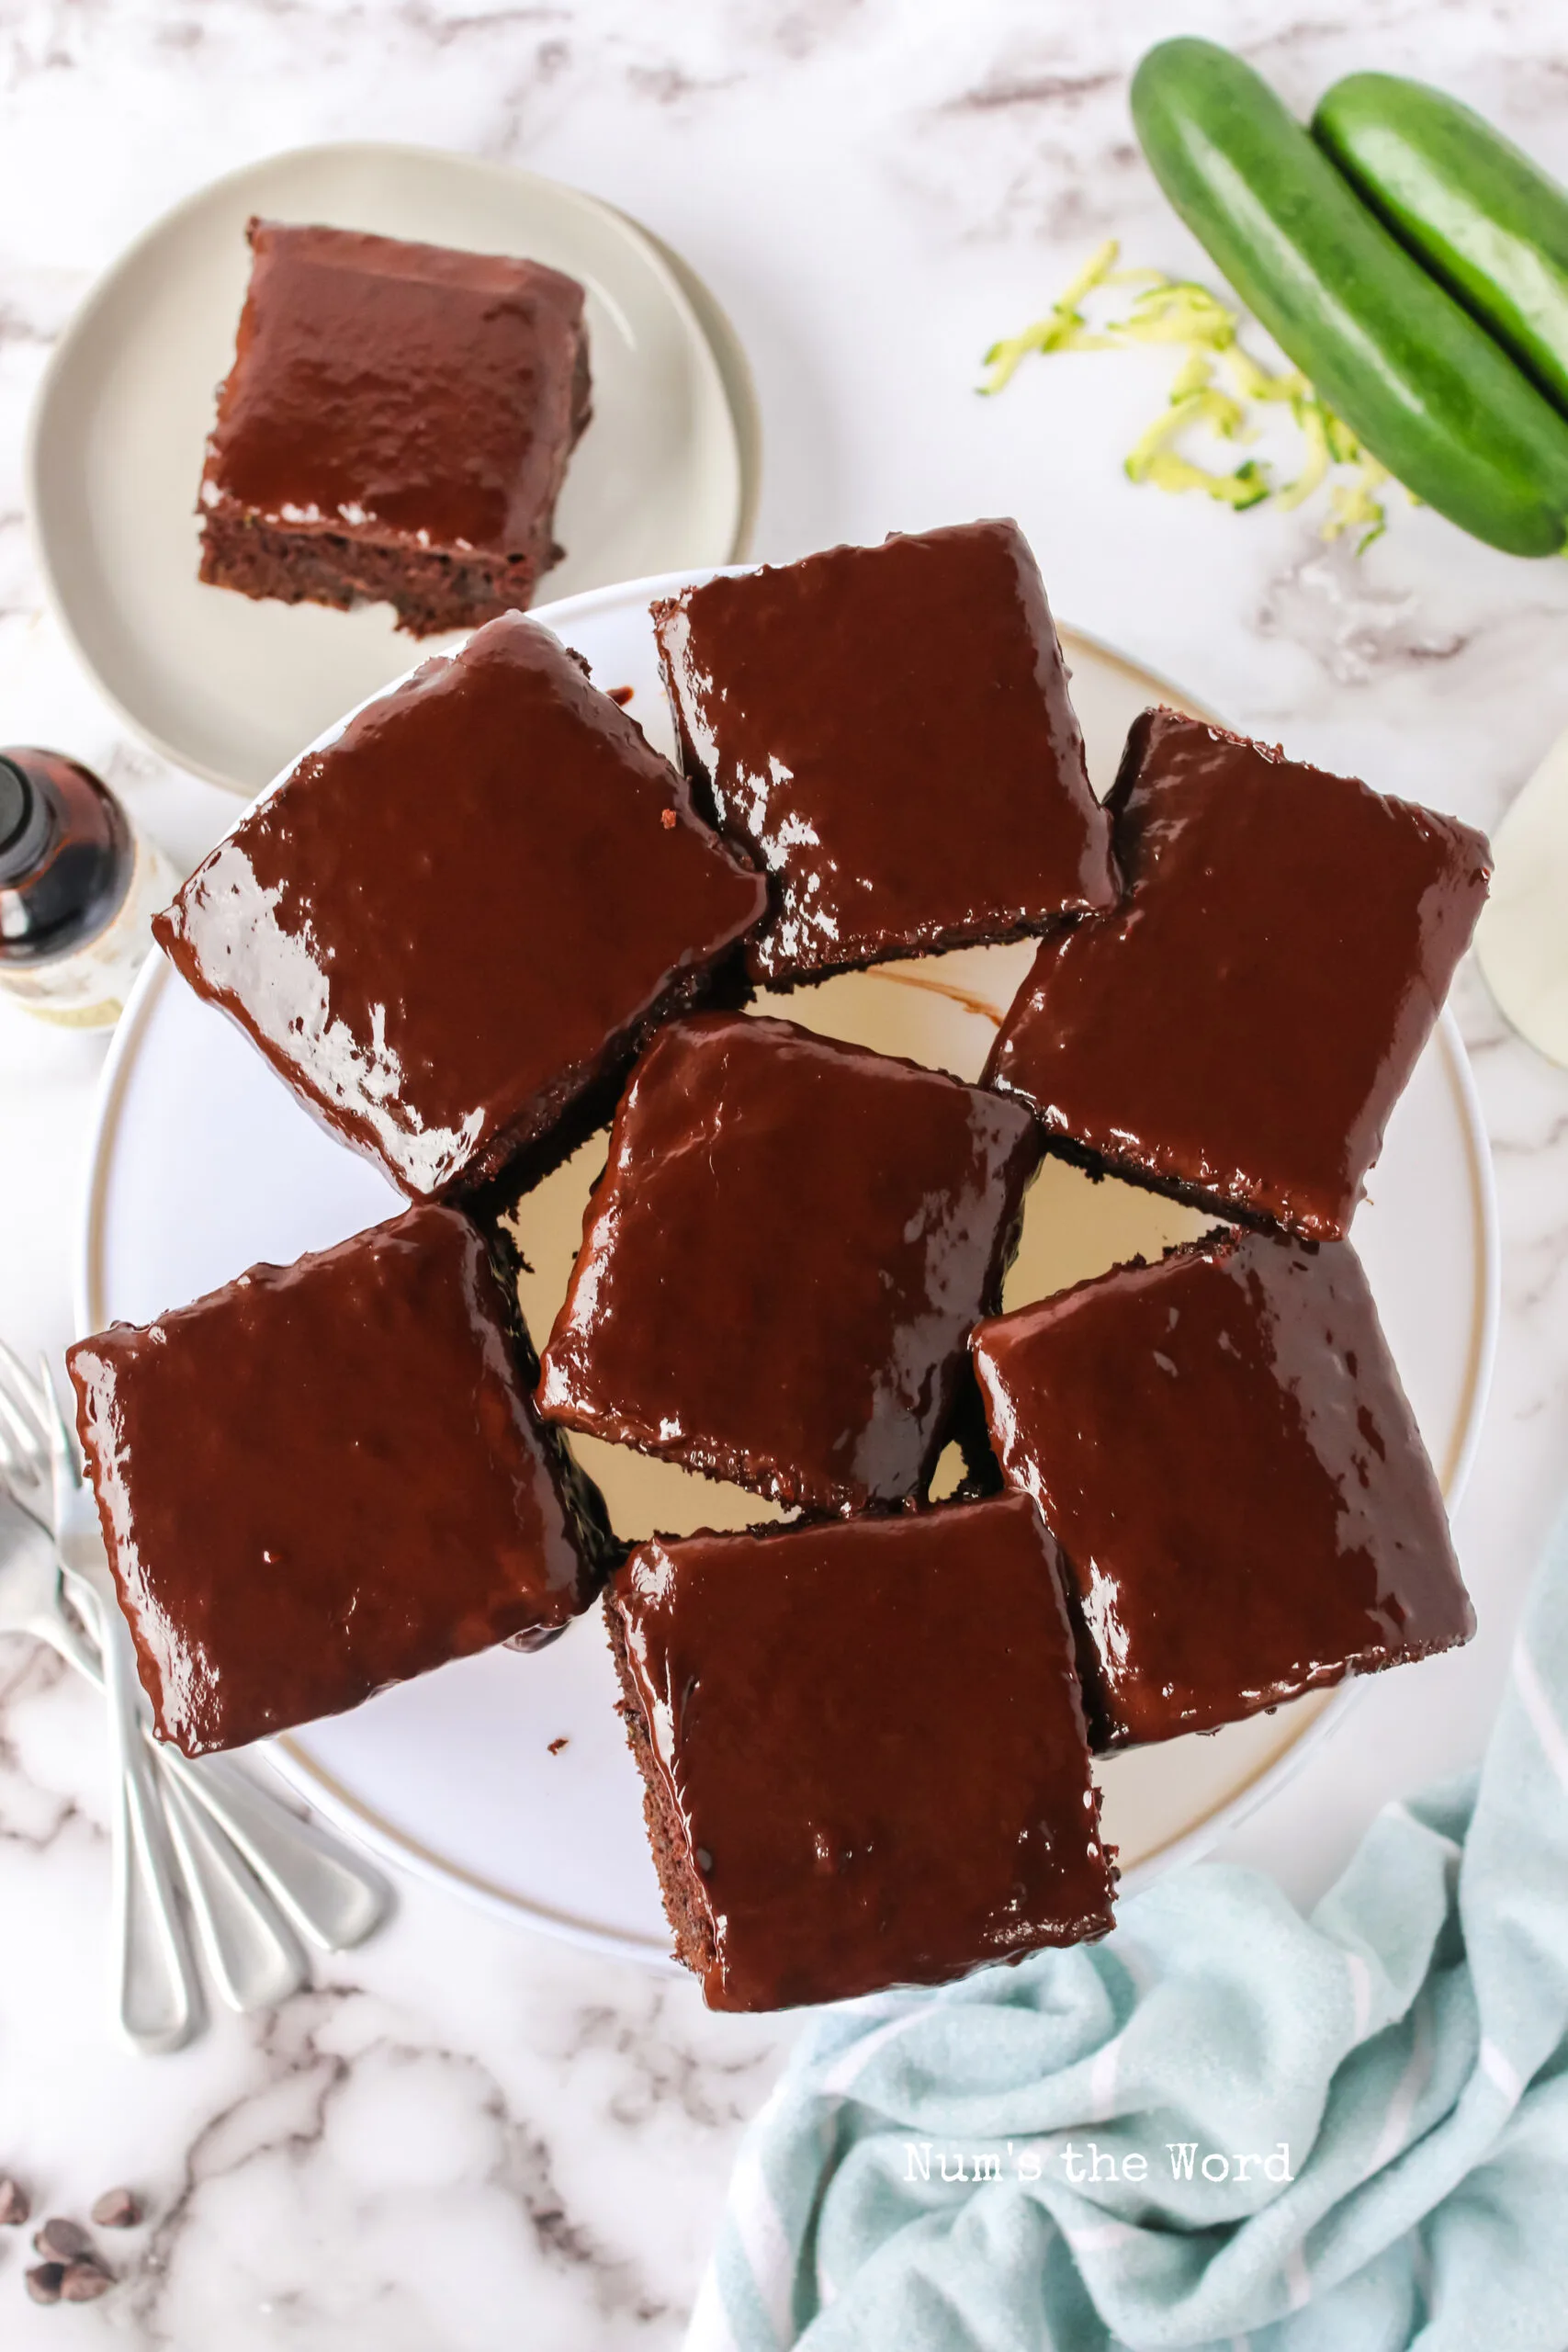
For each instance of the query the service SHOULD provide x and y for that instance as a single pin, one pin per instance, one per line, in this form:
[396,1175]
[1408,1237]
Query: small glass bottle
[78,891]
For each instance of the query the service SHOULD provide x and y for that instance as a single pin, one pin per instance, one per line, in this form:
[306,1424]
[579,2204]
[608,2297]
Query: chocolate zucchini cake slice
[1221,1445]
[328,1476]
[396,426]
[863,1750]
[782,1263]
[1239,1028]
[886,730]
[456,923]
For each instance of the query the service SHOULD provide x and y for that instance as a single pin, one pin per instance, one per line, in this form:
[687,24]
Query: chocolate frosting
[395,392]
[783,1260]
[865,1751]
[447,927]
[327,1477]
[1240,1028]
[1221,1447]
[887,731]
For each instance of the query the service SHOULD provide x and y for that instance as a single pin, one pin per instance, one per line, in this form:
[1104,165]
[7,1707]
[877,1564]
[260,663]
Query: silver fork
[258,1877]
[248,1952]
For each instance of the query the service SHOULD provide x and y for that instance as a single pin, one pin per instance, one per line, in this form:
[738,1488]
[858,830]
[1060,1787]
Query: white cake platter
[203,1163]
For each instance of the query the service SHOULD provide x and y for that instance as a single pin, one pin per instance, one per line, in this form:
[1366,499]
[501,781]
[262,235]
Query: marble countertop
[468,2138]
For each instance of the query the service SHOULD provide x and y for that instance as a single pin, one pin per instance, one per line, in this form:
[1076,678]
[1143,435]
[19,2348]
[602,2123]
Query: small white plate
[233,688]
[203,1163]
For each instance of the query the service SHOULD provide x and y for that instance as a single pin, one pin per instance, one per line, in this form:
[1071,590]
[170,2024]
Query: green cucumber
[1418,382]
[1469,204]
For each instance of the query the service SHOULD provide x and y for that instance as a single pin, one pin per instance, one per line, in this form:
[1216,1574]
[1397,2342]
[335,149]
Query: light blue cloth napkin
[1402,2057]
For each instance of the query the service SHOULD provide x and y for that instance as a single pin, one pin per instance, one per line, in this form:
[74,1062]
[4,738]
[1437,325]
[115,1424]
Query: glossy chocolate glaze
[1221,1447]
[466,911]
[1240,1028]
[783,1260]
[865,1749]
[887,731]
[326,1477]
[393,391]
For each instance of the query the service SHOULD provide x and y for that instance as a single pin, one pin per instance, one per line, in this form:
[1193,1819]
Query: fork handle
[329,1895]
[251,1954]
[159,1997]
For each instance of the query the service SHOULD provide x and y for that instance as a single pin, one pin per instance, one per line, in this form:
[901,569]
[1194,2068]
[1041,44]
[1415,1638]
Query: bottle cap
[27,823]
[16,804]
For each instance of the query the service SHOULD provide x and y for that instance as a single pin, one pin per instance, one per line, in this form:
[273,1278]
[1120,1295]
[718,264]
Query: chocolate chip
[14,2205]
[83,2282]
[61,2241]
[43,2283]
[117,2209]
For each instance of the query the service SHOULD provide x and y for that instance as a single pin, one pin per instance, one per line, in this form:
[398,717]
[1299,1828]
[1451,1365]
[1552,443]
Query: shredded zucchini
[1217,387]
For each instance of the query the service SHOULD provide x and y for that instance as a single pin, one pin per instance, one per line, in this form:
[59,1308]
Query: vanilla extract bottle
[78,889]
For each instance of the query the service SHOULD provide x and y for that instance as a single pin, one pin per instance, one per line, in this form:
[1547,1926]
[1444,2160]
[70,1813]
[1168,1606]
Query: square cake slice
[782,1263]
[396,426]
[465,913]
[1221,1446]
[329,1477]
[1238,1030]
[887,731]
[863,1750]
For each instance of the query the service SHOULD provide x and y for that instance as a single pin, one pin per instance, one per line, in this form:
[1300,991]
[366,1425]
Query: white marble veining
[469,2137]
